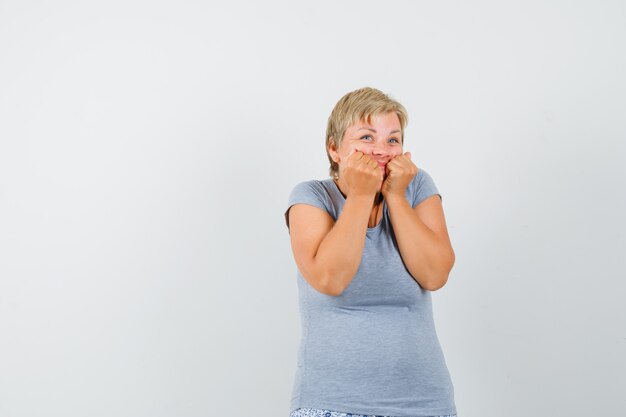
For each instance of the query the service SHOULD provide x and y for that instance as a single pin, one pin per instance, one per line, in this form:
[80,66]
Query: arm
[421,231]
[423,240]
[328,253]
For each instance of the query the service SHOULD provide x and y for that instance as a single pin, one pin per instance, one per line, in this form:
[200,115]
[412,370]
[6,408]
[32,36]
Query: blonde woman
[370,244]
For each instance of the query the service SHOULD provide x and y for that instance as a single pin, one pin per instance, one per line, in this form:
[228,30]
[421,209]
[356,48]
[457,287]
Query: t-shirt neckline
[343,201]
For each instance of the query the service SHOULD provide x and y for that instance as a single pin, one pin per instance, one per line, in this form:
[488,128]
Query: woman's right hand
[361,175]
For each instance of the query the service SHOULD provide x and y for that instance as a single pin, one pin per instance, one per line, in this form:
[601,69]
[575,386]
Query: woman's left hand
[400,172]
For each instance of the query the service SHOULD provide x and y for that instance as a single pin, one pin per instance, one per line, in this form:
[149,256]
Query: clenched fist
[361,175]
[400,171]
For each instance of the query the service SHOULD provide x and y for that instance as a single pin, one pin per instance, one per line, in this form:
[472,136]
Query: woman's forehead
[377,120]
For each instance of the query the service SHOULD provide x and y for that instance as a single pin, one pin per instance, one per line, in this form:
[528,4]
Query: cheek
[363,147]
[367,148]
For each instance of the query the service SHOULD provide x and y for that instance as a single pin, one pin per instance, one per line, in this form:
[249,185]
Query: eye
[366,137]
[394,140]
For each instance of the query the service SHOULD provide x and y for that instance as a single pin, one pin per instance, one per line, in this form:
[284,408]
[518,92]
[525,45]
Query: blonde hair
[359,105]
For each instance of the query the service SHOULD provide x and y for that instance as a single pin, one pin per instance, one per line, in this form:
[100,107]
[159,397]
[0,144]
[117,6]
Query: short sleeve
[311,193]
[423,187]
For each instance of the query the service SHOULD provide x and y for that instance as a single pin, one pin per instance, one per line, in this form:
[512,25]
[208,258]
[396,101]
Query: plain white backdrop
[147,150]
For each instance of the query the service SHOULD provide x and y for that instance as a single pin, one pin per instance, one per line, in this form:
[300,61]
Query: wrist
[361,197]
[396,198]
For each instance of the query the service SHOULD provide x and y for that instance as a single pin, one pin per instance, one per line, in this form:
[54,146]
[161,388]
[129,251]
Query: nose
[379,149]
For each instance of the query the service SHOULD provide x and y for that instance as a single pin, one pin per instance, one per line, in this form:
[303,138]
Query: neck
[378,198]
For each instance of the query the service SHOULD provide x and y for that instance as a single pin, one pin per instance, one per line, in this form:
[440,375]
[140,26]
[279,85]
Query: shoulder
[421,187]
[315,193]
[307,190]
[310,186]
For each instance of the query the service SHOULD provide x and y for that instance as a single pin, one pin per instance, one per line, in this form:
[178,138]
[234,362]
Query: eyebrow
[373,130]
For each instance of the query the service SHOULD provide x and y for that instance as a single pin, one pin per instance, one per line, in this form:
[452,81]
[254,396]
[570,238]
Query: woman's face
[381,140]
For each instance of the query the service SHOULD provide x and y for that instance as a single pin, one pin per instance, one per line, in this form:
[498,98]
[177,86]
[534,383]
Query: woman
[370,244]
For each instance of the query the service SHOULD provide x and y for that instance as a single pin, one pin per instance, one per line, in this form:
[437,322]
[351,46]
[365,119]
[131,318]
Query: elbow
[437,278]
[435,284]
[333,291]
[332,286]
[336,279]
[329,284]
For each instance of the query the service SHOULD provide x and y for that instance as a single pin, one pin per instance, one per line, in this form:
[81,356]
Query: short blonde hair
[359,105]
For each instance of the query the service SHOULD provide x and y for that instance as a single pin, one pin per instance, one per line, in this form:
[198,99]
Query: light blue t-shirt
[373,349]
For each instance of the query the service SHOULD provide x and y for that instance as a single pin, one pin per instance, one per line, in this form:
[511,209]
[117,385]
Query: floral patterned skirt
[316,412]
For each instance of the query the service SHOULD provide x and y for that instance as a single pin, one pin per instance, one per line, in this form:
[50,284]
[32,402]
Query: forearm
[339,254]
[427,257]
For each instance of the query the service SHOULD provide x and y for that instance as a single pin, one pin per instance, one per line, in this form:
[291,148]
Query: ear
[332,149]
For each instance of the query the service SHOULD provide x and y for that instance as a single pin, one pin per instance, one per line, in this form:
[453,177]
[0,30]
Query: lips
[383,168]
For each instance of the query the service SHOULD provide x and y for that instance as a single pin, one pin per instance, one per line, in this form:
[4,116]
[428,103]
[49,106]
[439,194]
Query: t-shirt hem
[379,411]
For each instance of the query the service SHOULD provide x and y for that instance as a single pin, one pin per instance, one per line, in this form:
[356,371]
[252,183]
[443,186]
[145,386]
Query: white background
[147,150]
